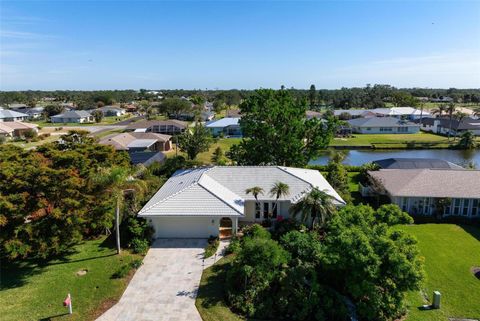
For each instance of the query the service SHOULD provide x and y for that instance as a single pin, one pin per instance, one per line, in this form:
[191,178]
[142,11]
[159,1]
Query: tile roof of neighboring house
[352,112]
[233,113]
[122,141]
[414,163]
[146,158]
[223,122]
[141,143]
[10,126]
[109,107]
[73,114]
[150,123]
[380,122]
[33,111]
[7,113]
[449,183]
[220,190]
[312,114]
[399,111]
[466,123]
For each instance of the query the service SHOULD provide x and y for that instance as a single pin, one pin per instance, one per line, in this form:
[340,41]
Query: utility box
[436,299]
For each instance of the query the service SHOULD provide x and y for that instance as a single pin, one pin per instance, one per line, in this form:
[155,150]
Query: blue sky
[245,44]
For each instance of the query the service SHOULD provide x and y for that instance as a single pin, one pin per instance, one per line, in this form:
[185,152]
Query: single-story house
[401,112]
[415,163]
[193,202]
[168,127]
[383,125]
[112,111]
[442,125]
[439,192]
[138,141]
[16,129]
[33,113]
[73,116]
[146,158]
[7,115]
[225,126]
[353,113]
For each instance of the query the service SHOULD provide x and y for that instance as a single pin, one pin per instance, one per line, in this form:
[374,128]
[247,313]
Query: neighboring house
[442,125]
[33,113]
[192,202]
[383,125]
[73,116]
[401,112]
[313,114]
[353,113]
[442,99]
[422,191]
[189,116]
[233,113]
[415,163]
[138,142]
[225,126]
[146,158]
[112,111]
[15,129]
[7,115]
[168,127]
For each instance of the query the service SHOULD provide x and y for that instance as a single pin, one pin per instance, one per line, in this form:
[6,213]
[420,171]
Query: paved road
[165,287]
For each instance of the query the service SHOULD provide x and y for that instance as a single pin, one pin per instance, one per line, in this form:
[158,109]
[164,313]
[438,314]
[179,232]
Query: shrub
[284,226]
[391,214]
[126,268]
[139,246]
[256,231]
[212,246]
[234,246]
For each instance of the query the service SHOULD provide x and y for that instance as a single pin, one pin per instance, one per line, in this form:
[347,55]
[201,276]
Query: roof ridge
[298,177]
[171,195]
[211,192]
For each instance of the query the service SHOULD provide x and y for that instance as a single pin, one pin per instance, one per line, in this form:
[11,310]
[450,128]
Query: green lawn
[30,291]
[393,140]
[210,301]
[29,145]
[105,121]
[223,143]
[450,251]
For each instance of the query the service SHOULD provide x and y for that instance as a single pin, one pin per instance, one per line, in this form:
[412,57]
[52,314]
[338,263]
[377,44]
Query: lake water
[360,157]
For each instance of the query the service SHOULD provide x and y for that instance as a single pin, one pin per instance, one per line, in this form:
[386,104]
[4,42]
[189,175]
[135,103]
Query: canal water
[360,157]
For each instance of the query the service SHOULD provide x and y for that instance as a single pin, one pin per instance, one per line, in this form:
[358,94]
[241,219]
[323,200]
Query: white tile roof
[220,190]
[6,113]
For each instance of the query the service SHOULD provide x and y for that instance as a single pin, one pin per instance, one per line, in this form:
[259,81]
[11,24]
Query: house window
[265,210]
[466,203]
[475,207]
[274,210]
[456,207]
[404,203]
[402,129]
[257,210]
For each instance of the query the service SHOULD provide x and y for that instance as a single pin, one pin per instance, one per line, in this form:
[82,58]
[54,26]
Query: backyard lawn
[393,140]
[31,291]
[450,252]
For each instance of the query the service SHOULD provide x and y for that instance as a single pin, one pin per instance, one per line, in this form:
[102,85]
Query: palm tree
[450,110]
[440,110]
[467,140]
[112,181]
[476,112]
[278,190]
[316,204]
[255,191]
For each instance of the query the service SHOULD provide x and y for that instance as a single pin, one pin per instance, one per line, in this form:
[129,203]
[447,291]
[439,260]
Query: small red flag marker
[68,303]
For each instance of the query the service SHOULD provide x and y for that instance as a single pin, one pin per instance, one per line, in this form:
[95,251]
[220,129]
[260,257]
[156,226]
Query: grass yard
[223,143]
[35,292]
[210,301]
[421,139]
[450,251]
[105,121]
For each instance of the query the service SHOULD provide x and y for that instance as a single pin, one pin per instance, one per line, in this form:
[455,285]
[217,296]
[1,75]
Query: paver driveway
[165,287]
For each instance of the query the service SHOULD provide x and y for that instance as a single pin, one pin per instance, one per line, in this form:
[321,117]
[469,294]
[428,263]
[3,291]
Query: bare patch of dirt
[82,272]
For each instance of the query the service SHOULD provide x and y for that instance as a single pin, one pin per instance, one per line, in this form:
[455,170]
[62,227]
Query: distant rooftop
[414,163]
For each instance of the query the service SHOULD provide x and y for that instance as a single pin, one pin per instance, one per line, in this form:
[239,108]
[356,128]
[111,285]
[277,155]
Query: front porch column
[234,225]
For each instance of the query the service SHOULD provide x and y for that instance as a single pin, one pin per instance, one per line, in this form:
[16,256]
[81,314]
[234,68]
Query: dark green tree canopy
[195,140]
[276,131]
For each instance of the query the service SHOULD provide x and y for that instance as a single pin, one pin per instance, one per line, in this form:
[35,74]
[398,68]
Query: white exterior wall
[394,130]
[185,227]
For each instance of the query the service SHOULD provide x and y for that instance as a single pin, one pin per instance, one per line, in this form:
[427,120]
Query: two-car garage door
[185,227]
